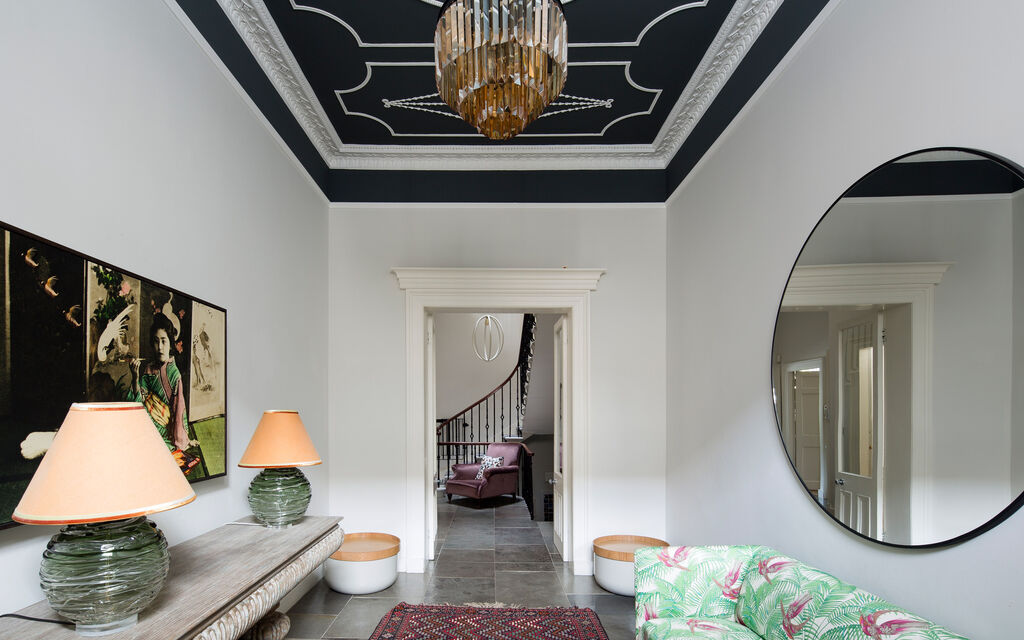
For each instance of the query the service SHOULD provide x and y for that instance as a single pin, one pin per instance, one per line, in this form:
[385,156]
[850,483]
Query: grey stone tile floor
[486,551]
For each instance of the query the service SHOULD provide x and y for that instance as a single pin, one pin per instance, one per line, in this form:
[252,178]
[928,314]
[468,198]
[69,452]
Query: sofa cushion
[695,628]
[784,599]
[685,582]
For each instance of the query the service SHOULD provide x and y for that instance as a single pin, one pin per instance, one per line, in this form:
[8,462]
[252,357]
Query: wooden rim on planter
[364,547]
[622,547]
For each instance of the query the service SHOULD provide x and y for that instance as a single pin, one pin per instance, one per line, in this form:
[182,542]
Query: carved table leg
[273,626]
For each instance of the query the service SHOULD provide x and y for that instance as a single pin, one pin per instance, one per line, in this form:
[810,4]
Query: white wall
[367,386]
[933,74]
[121,139]
[462,377]
[540,404]
[800,335]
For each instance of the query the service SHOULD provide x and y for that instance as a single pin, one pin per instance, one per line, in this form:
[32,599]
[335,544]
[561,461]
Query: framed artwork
[74,329]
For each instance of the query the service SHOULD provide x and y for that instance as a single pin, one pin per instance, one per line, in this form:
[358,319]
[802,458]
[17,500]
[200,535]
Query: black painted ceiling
[349,86]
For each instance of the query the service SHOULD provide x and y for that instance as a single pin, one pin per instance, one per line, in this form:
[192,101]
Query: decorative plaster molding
[488,158]
[744,24]
[261,601]
[254,23]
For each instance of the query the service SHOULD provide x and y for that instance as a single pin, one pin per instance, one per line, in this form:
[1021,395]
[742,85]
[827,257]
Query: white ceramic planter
[613,561]
[370,576]
[365,563]
[614,575]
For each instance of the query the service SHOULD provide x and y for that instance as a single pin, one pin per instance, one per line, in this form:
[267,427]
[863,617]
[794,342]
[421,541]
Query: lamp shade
[107,462]
[280,440]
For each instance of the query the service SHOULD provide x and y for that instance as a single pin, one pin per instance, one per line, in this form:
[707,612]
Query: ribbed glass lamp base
[279,497]
[100,576]
[106,628]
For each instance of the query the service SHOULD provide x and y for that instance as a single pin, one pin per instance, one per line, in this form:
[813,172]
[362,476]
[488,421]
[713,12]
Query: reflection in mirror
[898,360]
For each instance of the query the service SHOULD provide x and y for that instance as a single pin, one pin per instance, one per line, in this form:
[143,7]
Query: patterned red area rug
[444,622]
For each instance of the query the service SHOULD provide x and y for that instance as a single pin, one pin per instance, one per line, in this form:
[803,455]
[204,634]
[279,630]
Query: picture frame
[74,328]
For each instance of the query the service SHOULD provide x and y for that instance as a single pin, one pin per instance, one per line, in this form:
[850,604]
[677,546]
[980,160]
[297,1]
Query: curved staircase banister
[479,402]
[526,449]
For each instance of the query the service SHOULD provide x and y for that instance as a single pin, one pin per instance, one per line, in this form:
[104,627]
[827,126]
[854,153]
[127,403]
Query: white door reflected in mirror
[910,295]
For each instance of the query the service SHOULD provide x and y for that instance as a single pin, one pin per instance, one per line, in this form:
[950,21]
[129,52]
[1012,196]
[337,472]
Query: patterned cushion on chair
[685,582]
[487,462]
[784,599]
[695,629]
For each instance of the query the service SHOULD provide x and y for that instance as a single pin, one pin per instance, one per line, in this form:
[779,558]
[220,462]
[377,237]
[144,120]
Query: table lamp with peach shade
[279,495]
[107,469]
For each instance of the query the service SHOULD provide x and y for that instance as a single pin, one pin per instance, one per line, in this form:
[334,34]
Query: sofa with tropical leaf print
[753,592]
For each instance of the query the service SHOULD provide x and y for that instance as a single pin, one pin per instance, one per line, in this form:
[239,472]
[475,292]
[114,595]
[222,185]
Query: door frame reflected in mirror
[807,284]
[913,283]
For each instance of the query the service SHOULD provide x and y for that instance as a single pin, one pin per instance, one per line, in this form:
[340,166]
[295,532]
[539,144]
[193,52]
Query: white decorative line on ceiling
[744,24]
[607,103]
[432,103]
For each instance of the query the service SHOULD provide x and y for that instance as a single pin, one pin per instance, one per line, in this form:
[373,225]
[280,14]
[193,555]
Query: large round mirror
[898,359]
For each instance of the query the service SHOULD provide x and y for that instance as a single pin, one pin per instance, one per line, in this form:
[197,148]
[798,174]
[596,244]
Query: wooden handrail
[478,402]
[526,449]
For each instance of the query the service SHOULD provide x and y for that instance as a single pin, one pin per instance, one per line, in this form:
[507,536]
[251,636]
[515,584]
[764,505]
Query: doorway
[428,291]
[803,400]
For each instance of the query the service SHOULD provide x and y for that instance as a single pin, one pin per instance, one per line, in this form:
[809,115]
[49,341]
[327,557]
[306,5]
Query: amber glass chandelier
[500,62]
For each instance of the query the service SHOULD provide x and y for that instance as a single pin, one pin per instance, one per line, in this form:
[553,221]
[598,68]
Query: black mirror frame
[997,519]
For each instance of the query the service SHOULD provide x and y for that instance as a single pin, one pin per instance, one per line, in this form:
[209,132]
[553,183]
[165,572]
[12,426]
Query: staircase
[497,417]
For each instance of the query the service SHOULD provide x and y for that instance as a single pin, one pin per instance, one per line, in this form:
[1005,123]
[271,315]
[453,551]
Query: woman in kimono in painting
[159,388]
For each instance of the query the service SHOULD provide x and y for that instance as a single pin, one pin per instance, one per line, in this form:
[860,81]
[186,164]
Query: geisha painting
[74,330]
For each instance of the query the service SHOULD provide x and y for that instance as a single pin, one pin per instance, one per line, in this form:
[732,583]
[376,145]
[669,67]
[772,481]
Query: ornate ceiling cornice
[253,22]
[741,29]
[744,24]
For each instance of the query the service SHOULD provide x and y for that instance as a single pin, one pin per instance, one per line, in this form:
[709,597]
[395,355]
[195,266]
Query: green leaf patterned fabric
[784,599]
[695,629]
[750,592]
[690,582]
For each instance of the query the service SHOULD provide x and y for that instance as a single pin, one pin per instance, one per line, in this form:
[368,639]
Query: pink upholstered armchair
[496,481]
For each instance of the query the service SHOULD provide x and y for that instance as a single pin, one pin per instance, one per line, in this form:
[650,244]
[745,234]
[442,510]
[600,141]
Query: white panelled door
[561,397]
[858,502]
[804,405]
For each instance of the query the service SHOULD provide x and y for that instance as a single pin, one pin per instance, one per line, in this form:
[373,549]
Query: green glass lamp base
[279,497]
[101,575]
[105,628]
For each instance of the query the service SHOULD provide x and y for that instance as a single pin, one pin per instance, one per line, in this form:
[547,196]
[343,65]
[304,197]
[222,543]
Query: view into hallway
[497,380]
[487,551]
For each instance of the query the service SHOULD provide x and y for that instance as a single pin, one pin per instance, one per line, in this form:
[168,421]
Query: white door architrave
[429,290]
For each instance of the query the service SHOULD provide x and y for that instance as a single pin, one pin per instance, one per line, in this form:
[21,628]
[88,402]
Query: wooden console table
[220,583]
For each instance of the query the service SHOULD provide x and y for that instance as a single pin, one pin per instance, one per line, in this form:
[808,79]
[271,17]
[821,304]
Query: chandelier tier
[499,63]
